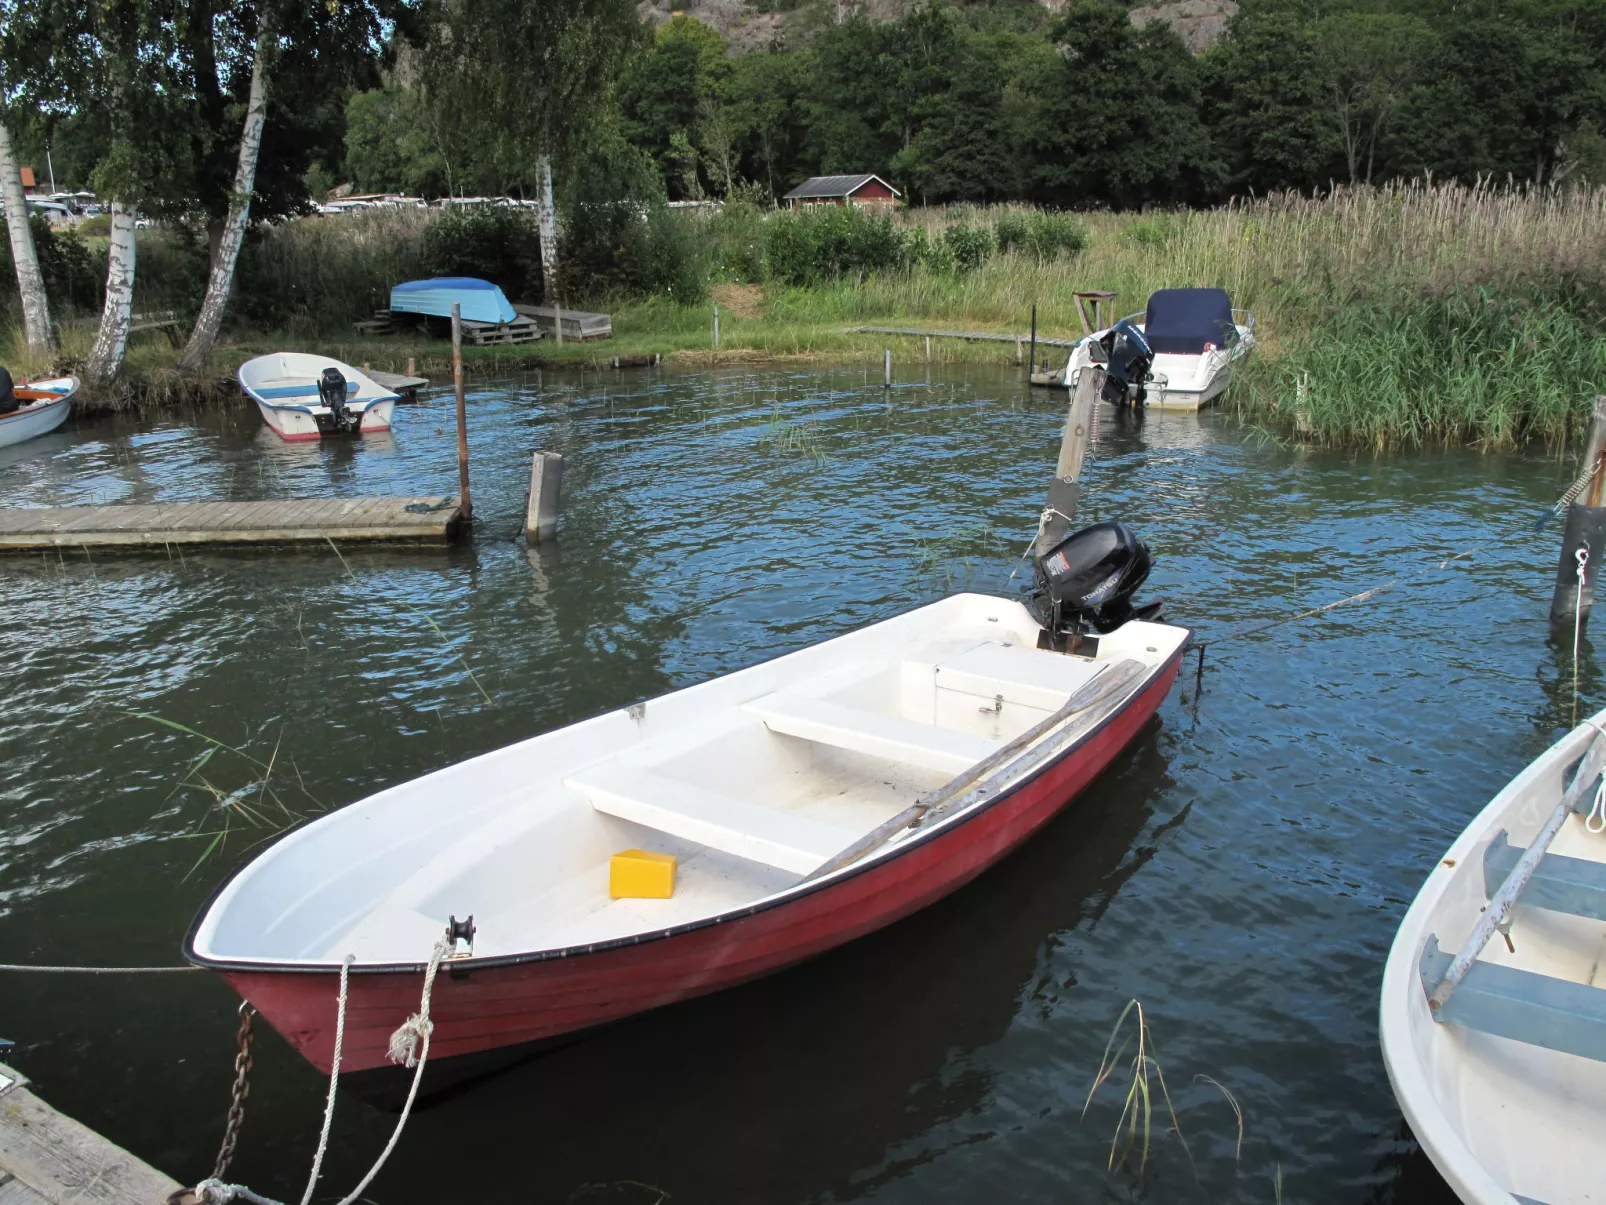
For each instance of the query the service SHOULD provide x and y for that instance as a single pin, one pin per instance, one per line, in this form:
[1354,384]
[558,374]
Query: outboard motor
[1130,360]
[332,393]
[1085,584]
[8,393]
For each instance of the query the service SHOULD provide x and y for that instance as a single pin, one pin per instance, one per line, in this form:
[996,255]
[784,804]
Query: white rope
[408,1045]
[334,1079]
[1042,525]
[217,1192]
[1595,822]
[1582,557]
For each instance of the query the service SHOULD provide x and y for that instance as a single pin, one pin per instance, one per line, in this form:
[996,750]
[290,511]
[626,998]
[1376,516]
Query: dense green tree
[674,96]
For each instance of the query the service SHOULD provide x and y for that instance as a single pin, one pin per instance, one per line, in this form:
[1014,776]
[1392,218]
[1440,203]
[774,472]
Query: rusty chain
[242,1089]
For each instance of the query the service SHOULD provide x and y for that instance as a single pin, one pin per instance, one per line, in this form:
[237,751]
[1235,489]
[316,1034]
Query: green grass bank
[1387,317]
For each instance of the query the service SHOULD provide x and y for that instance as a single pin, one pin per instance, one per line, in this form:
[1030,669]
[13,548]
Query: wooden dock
[578,325]
[408,387]
[973,335]
[47,1158]
[430,520]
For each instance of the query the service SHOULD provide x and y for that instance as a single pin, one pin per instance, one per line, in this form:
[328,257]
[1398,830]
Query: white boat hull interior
[284,386]
[1506,1087]
[753,781]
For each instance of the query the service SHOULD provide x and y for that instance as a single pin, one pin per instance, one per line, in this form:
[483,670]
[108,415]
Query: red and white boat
[809,800]
[303,396]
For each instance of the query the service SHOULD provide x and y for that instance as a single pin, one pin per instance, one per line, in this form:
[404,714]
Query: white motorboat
[1493,1012]
[1179,354]
[303,396]
[42,406]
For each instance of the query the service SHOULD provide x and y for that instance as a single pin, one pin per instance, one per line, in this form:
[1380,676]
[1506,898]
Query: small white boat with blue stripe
[34,407]
[1493,1016]
[304,396]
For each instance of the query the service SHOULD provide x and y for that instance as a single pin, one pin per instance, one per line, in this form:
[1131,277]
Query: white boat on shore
[1179,354]
[303,396]
[42,407]
[1493,1013]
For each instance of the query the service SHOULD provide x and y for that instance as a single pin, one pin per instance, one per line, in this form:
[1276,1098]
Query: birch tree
[30,281]
[221,279]
[535,72]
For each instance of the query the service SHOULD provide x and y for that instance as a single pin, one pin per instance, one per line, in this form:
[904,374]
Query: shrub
[493,242]
[969,247]
[74,275]
[1044,236]
[825,242]
[1150,232]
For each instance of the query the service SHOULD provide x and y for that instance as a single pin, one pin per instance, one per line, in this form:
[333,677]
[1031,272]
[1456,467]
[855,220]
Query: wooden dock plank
[46,1156]
[1042,341]
[269,521]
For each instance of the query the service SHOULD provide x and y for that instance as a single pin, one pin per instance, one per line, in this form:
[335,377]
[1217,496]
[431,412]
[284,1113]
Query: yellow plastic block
[638,874]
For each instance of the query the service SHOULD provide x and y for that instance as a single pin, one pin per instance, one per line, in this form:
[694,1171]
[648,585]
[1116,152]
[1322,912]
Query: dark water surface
[1240,871]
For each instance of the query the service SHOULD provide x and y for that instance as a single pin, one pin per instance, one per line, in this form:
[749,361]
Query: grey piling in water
[412,369]
[462,413]
[886,376]
[928,349]
[557,320]
[1031,366]
[546,489]
[1586,532]
[716,328]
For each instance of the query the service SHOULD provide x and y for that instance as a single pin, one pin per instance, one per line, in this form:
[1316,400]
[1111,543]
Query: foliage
[492,242]
[1043,236]
[72,272]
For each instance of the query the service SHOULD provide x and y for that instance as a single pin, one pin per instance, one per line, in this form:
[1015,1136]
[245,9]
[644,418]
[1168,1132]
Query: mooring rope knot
[408,1039]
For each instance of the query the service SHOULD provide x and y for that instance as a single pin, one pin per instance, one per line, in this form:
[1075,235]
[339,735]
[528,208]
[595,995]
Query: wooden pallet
[490,334]
[578,325]
[380,324]
[286,521]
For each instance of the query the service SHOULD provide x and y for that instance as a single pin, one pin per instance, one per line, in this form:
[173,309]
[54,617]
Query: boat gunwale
[800,890]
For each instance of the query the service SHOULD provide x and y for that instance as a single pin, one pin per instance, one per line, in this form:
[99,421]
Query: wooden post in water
[462,412]
[1031,366]
[886,376]
[1064,491]
[557,319]
[928,349]
[412,368]
[546,486]
[716,328]
[1585,533]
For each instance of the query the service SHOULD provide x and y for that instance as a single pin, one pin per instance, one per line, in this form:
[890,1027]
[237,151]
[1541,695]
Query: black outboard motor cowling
[1130,361]
[8,393]
[1086,581]
[332,393]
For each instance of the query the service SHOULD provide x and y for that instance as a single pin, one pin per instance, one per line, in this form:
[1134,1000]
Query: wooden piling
[928,349]
[1585,531]
[462,413]
[886,375]
[716,328]
[1018,356]
[1064,492]
[412,369]
[546,487]
[1032,365]
[557,320]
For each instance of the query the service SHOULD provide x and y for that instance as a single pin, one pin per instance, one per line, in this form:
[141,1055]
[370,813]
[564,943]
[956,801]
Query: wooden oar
[1499,907]
[1112,683]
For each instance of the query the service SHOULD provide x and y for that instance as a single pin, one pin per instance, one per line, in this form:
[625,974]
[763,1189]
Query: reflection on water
[1240,870]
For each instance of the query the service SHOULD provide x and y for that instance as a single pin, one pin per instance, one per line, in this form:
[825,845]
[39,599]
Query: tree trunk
[227,254]
[30,283]
[547,218]
[106,357]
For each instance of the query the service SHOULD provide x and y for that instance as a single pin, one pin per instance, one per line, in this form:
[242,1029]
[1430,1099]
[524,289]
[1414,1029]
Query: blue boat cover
[1181,321]
[481,300]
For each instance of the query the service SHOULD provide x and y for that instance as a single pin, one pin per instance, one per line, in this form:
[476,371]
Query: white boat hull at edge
[301,422]
[38,417]
[1502,1120]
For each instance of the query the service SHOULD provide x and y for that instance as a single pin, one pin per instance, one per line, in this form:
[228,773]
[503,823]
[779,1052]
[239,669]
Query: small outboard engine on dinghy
[332,393]
[1085,585]
[1130,359]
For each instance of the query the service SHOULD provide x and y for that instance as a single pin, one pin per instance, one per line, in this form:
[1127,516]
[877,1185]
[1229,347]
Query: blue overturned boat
[481,300]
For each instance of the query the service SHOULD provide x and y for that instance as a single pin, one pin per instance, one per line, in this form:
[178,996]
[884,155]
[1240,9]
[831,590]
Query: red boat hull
[482,1008]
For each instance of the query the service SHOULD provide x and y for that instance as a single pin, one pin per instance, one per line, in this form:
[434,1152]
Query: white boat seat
[862,731]
[1025,676]
[719,821]
[1559,883]
[1539,1010]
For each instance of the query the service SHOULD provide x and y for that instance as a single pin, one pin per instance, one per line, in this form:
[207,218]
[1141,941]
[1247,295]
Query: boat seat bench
[860,730]
[1559,884]
[767,835]
[1539,1010]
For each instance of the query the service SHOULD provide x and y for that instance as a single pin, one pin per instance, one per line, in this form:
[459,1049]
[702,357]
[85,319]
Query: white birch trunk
[111,343]
[221,281]
[30,282]
[547,218]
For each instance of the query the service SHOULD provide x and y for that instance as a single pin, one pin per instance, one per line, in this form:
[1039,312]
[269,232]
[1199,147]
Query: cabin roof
[836,186]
